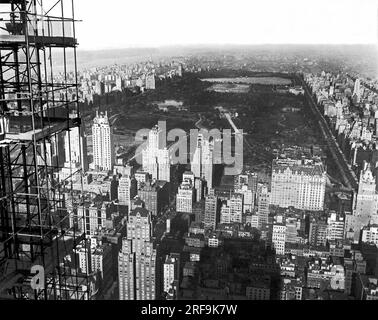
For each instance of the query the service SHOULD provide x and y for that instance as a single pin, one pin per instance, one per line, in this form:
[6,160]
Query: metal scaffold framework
[38,108]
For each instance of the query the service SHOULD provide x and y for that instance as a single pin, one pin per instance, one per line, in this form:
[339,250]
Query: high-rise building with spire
[202,162]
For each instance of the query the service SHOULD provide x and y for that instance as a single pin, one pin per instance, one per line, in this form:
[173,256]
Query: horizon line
[209,45]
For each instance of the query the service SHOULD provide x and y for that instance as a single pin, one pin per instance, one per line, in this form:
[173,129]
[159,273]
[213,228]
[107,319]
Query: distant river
[251,80]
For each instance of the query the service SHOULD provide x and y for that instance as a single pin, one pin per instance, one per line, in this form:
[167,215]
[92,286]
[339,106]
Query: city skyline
[212,173]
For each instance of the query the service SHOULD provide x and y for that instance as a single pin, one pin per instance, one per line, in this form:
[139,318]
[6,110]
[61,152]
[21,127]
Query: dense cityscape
[297,221]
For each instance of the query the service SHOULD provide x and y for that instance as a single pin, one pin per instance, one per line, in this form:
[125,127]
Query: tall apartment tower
[185,196]
[263,206]
[197,158]
[137,259]
[357,90]
[103,147]
[207,164]
[203,160]
[127,190]
[211,210]
[155,195]
[297,183]
[155,157]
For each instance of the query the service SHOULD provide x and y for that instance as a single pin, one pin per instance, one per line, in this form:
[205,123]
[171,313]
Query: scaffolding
[38,107]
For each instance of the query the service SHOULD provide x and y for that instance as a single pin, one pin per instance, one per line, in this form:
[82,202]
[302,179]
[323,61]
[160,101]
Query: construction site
[39,220]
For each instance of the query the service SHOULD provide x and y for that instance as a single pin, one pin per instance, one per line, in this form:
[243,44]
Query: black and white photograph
[191,156]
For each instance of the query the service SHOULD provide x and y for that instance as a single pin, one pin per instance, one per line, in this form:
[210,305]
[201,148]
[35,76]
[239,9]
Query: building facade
[279,238]
[137,259]
[155,157]
[185,197]
[103,147]
[127,189]
[171,275]
[202,164]
[232,209]
[211,211]
[299,184]
[75,148]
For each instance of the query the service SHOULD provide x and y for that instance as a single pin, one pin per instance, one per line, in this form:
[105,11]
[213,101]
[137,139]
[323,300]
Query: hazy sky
[141,23]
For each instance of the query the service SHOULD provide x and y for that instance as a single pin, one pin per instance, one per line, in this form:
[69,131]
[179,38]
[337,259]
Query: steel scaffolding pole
[39,106]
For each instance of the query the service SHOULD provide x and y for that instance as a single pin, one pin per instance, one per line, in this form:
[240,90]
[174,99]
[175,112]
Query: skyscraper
[365,205]
[155,157]
[357,90]
[185,197]
[211,210]
[207,162]
[196,162]
[263,206]
[75,148]
[103,148]
[127,189]
[155,195]
[366,200]
[202,162]
[137,259]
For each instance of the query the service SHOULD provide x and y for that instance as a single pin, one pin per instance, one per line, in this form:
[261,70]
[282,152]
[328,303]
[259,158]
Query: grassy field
[269,118]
